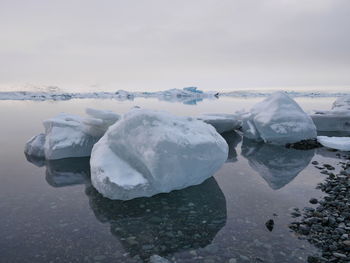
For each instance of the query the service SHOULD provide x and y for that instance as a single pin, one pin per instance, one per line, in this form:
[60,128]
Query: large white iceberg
[222,122]
[149,152]
[339,143]
[278,120]
[69,135]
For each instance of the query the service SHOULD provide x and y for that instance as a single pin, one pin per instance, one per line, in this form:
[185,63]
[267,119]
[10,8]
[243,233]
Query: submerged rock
[149,152]
[270,224]
[278,120]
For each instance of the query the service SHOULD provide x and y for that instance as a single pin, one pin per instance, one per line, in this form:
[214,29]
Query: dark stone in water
[313,201]
[269,224]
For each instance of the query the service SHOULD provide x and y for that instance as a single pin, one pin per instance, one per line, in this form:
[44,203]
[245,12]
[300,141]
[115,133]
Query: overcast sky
[162,44]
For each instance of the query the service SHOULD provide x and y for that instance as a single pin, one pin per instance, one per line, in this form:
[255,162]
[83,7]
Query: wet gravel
[327,223]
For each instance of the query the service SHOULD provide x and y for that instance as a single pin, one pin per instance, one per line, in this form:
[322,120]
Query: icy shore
[189,95]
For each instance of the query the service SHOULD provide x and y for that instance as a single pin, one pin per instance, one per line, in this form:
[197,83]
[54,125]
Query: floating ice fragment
[337,119]
[339,143]
[69,135]
[66,137]
[222,122]
[278,120]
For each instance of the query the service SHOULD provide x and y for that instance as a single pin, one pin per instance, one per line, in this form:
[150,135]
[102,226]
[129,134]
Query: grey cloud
[162,43]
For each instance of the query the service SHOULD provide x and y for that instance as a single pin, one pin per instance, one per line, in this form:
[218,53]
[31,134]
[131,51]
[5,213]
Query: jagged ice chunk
[278,120]
[149,152]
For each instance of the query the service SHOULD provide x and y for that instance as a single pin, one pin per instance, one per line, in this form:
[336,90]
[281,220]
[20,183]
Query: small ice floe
[338,143]
[69,135]
[222,122]
[149,152]
[65,137]
[337,119]
[278,120]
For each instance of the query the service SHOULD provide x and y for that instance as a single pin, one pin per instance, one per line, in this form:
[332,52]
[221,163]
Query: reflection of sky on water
[40,222]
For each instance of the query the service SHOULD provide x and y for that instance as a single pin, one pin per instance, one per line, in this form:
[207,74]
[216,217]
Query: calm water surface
[51,213]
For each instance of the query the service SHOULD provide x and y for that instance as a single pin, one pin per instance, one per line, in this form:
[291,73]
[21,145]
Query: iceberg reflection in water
[64,172]
[276,164]
[166,223]
[70,171]
[233,139]
[163,224]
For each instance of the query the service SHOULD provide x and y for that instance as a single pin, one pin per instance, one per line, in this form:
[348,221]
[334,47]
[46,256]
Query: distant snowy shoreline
[189,95]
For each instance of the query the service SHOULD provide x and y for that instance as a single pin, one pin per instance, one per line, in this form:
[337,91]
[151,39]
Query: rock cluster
[328,225]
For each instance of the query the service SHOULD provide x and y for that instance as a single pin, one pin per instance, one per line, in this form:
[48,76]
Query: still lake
[51,213]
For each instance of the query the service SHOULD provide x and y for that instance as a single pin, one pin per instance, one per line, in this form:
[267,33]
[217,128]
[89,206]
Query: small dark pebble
[313,201]
[269,224]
